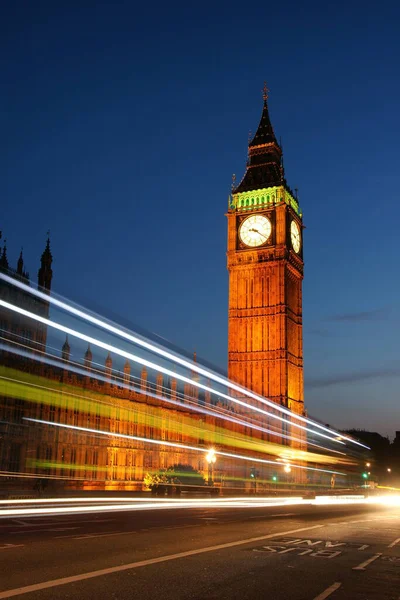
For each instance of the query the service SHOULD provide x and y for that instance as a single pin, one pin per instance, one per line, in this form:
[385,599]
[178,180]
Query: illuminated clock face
[255,230]
[295,236]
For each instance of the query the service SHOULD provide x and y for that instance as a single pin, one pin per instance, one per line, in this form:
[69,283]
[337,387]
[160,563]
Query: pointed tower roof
[66,347]
[47,257]
[20,264]
[108,360]
[265,133]
[3,258]
[88,353]
[45,273]
[264,165]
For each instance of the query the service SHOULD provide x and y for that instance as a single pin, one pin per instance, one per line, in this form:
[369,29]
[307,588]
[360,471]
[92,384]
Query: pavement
[291,552]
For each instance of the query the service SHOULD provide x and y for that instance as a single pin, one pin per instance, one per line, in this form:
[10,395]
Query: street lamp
[368,464]
[389,470]
[287,468]
[210,458]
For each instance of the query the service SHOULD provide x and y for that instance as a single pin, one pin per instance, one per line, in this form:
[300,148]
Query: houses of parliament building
[94,422]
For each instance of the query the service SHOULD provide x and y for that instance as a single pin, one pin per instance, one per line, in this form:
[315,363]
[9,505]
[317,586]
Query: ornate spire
[108,364]
[265,133]
[88,358]
[20,264]
[265,93]
[66,350]
[264,156]
[127,372]
[3,258]
[45,273]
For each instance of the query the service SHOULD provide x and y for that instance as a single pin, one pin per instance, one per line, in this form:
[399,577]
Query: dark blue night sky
[121,127]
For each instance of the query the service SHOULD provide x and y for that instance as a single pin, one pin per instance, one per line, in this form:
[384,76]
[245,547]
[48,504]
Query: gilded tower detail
[265,264]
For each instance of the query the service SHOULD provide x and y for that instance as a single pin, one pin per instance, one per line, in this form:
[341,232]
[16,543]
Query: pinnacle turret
[3,258]
[264,164]
[20,264]
[45,273]
[88,357]
[66,350]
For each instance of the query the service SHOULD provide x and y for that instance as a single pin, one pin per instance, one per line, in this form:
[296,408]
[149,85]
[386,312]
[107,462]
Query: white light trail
[171,356]
[176,445]
[136,504]
[188,404]
[156,367]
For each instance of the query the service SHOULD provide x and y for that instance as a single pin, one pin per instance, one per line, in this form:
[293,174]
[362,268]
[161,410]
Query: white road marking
[143,563]
[328,591]
[394,543]
[41,530]
[363,547]
[89,535]
[270,516]
[9,546]
[361,521]
[55,523]
[364,564]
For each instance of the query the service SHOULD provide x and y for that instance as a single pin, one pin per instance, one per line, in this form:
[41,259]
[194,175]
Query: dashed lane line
[332,588]
[394,543]
[143,563]
[271,516]
[41,530]
[367,562]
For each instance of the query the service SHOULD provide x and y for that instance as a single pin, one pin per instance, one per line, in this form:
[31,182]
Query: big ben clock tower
[265,264]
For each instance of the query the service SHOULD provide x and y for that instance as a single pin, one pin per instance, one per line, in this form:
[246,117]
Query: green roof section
[262,199]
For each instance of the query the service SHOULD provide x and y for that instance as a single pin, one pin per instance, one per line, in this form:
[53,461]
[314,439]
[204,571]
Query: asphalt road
[347,552]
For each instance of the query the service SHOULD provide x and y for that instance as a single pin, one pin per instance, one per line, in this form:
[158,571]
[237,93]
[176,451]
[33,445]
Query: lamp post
[210,458]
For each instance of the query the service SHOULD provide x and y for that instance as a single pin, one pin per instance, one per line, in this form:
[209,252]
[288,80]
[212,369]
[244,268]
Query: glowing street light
[211,459]
[389,470]
[368,464]
[287,468]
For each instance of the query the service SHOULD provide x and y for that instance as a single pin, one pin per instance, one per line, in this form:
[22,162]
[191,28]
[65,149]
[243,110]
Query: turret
[88,358]
[66,350]
[264,164]
[20,265]
[3,258]
[127,372]
[108,367]
[143,380]
[159,384]
[45,273]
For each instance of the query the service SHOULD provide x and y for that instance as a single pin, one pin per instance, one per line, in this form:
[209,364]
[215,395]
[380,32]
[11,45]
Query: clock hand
[259,233]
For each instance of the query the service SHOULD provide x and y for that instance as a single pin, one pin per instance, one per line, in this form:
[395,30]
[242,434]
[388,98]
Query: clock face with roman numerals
[255,230]
[295,236]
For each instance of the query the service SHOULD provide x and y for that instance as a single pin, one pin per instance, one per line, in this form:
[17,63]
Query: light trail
[176,445]
[159,368]
[135,504]
[100,407]
[175,358]
[123,500]
[189,404]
